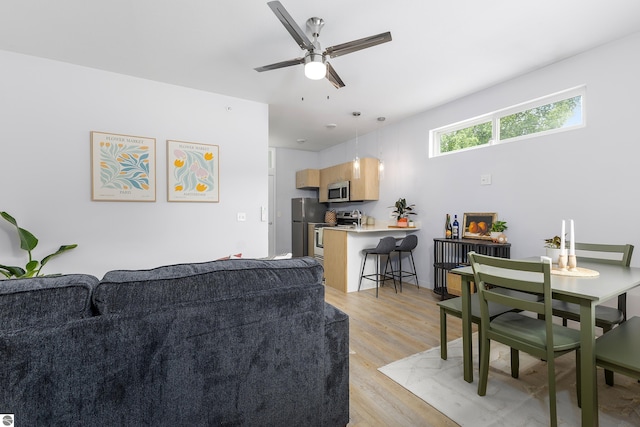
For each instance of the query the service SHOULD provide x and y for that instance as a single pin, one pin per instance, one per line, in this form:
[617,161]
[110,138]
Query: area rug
[509,402]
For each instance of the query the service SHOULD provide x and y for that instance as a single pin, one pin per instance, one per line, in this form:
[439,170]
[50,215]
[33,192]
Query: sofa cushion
[185,284]
[45,300]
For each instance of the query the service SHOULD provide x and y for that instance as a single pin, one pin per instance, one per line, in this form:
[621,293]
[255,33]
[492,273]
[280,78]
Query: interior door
[271,217]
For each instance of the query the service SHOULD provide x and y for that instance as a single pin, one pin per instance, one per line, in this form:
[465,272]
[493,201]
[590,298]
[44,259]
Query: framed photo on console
[193,172]
[478,225]
[123,167]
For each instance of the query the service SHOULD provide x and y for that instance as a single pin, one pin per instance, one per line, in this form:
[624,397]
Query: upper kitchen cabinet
[368,186]
[364,188]
[308,178]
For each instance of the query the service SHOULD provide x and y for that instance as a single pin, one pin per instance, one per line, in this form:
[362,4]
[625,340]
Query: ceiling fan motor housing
[315,25]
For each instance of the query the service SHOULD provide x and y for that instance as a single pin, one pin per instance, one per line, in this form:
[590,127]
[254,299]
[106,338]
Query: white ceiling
[441,50]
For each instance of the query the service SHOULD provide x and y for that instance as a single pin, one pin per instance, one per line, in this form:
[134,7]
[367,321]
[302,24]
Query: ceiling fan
[316,66]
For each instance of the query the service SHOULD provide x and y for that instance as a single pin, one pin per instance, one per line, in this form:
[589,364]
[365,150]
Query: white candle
[563,249]
[572,243]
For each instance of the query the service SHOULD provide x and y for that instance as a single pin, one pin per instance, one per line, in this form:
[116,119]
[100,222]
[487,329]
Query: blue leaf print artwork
[124,167]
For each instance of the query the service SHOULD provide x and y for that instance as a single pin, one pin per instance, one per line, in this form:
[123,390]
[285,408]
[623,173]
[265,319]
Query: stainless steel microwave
[339,191]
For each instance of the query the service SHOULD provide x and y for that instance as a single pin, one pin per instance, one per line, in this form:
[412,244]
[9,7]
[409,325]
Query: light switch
[242,216]
[263,213]
[485,179]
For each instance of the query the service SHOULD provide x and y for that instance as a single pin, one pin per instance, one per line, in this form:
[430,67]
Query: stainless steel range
[343,218]
[347,217]
[318,243]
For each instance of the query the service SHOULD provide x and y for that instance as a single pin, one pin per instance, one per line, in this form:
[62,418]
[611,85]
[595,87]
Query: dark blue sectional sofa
[224,343]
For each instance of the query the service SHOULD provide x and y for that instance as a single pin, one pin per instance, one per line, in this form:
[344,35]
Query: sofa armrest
[336,363]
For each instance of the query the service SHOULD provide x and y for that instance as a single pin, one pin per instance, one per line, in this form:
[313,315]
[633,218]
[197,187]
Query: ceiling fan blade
[298,35]
[282,64]
[355,45]
[333,77]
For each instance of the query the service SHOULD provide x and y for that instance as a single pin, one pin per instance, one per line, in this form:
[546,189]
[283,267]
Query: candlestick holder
[572,263]
[562,262]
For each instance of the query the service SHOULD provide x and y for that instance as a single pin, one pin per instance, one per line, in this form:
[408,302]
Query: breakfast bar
[343,253]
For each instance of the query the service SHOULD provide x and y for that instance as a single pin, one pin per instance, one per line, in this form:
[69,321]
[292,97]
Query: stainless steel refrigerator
[304,211]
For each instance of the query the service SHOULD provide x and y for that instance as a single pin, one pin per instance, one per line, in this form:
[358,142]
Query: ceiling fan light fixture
[314,66]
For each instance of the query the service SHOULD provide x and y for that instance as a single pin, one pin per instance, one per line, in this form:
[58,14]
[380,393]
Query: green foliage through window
[471,136]
[565,111]
[540,119]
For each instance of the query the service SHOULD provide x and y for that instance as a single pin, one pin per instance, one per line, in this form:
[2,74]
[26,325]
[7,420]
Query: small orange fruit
[473,227]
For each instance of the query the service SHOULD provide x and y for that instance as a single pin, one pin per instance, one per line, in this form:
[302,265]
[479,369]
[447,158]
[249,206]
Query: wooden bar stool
[384,248]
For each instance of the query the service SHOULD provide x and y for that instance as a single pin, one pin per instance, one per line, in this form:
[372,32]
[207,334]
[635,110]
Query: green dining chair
[453,307]
[619,350]
[538,336]
[605,317]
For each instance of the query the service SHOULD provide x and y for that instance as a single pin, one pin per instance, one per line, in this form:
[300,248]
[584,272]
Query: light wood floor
[382,331]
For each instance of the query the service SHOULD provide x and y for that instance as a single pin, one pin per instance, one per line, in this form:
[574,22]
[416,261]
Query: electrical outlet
[242,216]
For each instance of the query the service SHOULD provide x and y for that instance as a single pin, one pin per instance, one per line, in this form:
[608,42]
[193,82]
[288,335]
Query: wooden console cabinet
[452,253]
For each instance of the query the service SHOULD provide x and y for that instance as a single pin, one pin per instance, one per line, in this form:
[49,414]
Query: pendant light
[356,159]
[380,161]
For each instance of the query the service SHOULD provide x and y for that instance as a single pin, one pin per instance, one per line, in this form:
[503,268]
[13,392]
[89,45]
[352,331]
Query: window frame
[495,116]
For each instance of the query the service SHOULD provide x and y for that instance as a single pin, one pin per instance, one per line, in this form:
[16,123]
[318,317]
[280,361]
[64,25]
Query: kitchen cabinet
[335,259]
[452,253]
[308,178]
[368,186]
[337,173]
[364,188]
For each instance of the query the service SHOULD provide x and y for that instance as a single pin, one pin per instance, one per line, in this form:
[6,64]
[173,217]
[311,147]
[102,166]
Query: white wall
[48,110]
[590,174]
[287,163]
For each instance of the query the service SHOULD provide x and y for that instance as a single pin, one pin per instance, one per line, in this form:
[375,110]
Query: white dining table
[587,292]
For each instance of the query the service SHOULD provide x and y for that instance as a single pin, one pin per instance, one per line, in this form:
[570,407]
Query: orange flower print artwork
[193,171]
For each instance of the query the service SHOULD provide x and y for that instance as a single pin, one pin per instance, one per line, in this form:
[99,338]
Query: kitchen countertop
[370,229]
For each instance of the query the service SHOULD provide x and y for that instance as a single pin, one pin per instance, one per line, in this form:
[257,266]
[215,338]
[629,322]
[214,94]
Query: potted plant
[552,247]
[402,211]
[497,231]
[28,242]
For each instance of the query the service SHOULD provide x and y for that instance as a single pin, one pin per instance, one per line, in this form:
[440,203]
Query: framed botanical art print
[123,167]
[193,172]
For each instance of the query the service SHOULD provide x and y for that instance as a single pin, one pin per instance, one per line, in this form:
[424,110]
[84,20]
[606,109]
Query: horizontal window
[471,136]
[553,113]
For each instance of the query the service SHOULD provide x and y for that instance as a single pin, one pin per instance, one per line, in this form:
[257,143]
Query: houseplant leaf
[60,250]
[27,240]
[11,271]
